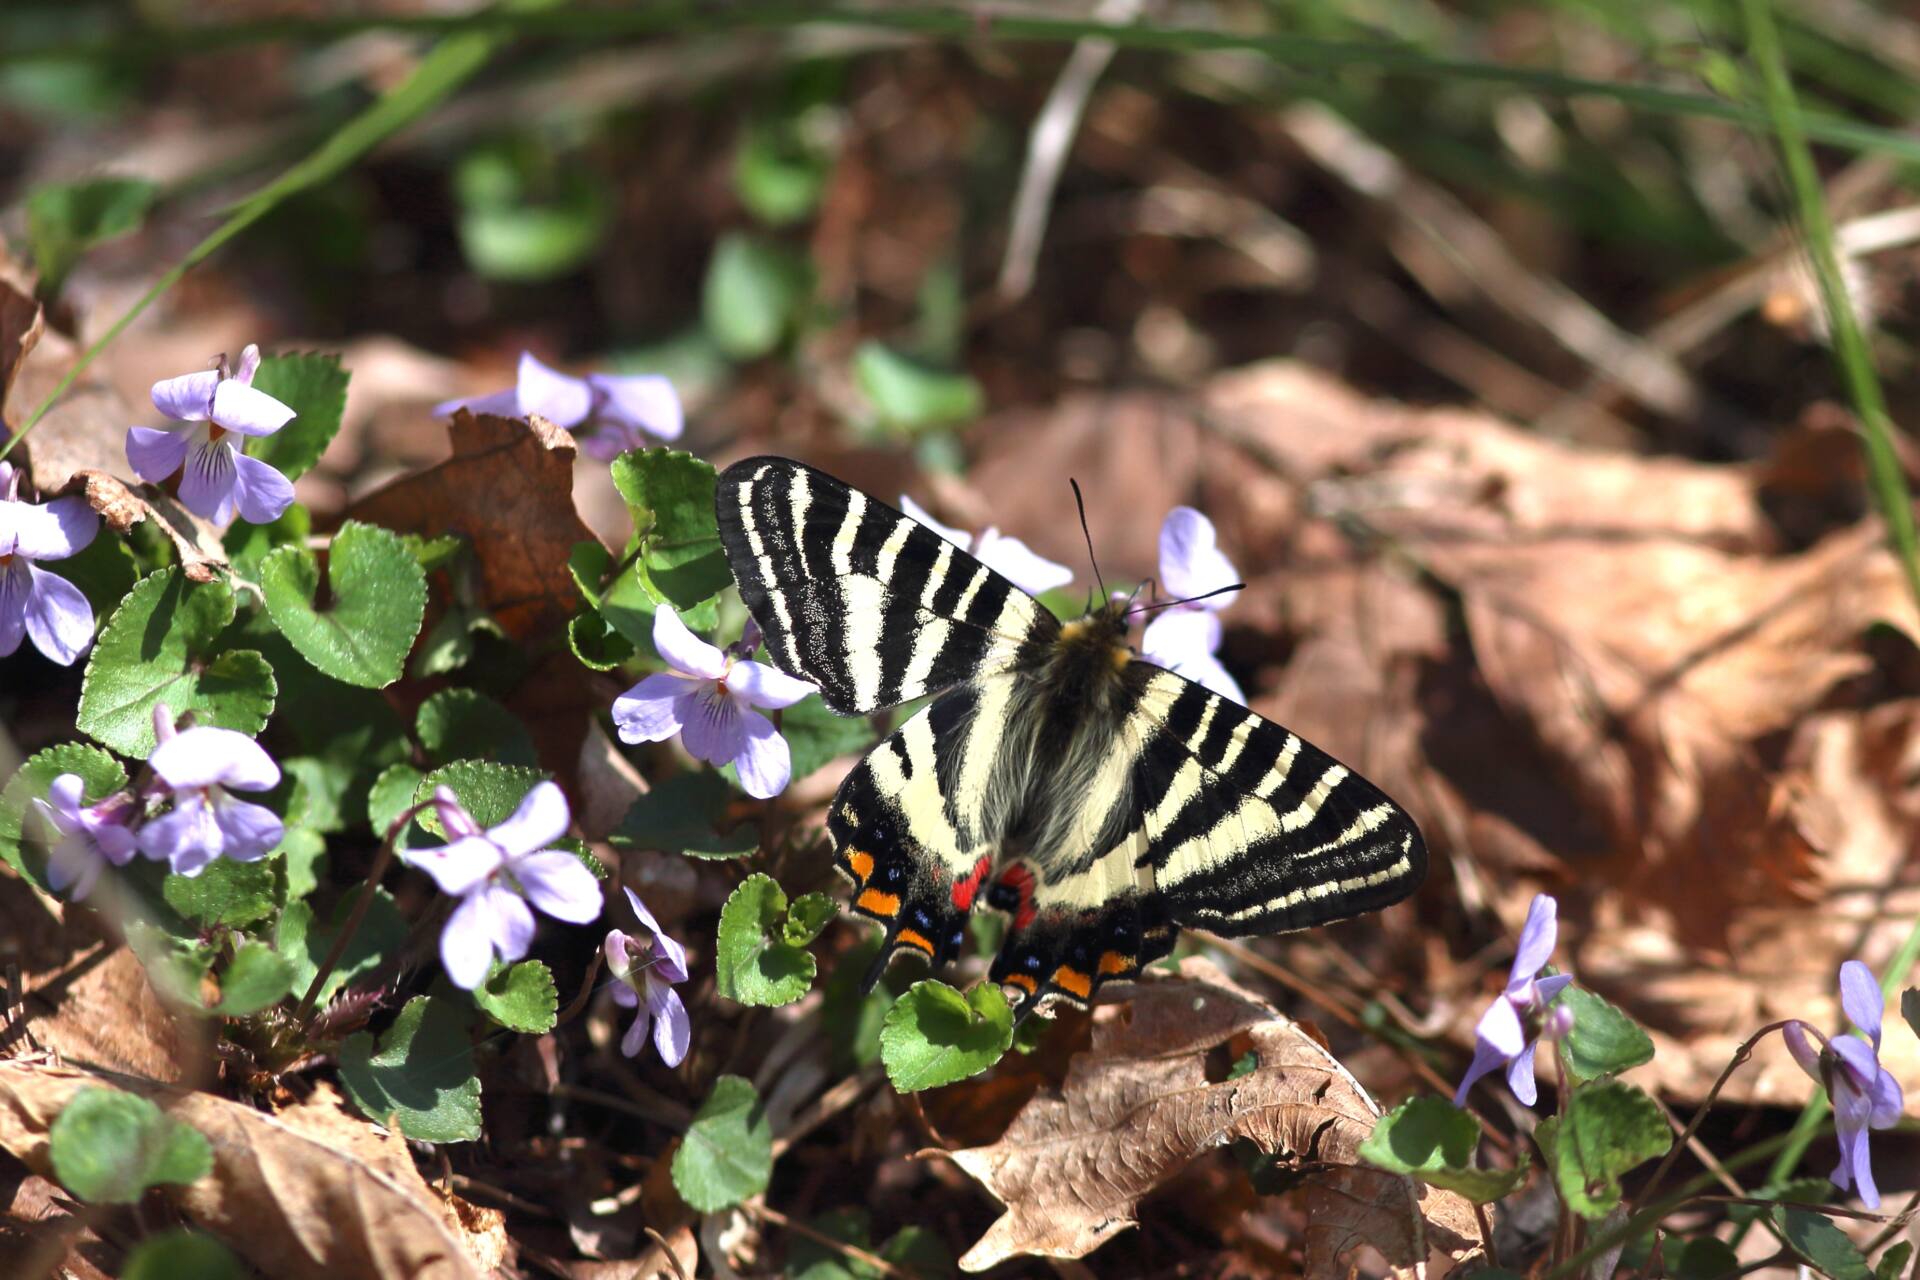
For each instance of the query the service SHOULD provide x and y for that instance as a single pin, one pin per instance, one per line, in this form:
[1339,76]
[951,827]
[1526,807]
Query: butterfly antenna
[1168,604]
[1080,502]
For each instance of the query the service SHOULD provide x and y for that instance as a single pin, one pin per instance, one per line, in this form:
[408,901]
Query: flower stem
[1740,1057]
[365,900]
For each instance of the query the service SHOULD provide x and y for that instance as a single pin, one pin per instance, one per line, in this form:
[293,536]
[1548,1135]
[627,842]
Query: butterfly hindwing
[868,604]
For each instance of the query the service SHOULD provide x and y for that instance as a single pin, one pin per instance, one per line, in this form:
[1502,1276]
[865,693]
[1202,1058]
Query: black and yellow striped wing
[1100,801]
[868,604]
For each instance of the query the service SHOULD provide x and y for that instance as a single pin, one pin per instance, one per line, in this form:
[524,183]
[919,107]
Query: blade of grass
[1855,365]
[445,68]
[1305,53]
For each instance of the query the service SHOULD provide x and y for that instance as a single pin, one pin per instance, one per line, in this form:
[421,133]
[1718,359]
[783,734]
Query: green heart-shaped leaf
[422,1073]
[108,1147]
[753,963]
[521,997]
[728,1152]
[378,596]
[933,1035]
[314,386]
[1434,1141]
[159,646]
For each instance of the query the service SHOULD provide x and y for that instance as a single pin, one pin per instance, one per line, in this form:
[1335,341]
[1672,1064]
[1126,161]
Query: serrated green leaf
[621,601]
[670,494]
[66,219]
[1434,1141]
[806,917]
[911,396]
[101,775]
[678,816]
[750,965]
[314,386]
[304,852]
[1825,1246]
[727,1154]
[161,646]
[463,724]
[817,736]
[934,1035]
[1705,1258]
[226,892]
[108,1146]
[1610,1128]
[488,792]
[259,976]
[176,1254]
[377,596]
[520,997]
[313,793]
[304,944]
[1603,1041]
[392,795]
[596,644]
[422,1074]
[753,294]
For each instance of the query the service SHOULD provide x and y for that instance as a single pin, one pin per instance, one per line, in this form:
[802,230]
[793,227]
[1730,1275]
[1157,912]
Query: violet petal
[646,401]
[560,885]
[206,481]
[672,1030]
[683,650]
[187,398]
[466,944]
[1191,562]
[155,454]
[1520,1075]
[1536,940]
[261,492]
[1019,564]
[458,868]
[206,755]
[1860,997]
[650,710]
[56,530]
[762,758]
[712,730]
[763,686]
[241,409]
[251,830]
[540,818]
[58,616]
[562,400]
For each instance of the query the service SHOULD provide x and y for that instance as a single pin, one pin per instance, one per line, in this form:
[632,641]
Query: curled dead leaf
[309,1194]
[1138,1106]
[508,489]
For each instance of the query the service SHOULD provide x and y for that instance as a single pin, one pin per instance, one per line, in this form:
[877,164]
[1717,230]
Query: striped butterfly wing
[868,604]
[1228,822]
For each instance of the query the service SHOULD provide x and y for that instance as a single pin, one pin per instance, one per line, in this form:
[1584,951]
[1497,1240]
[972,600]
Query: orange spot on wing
[1113,962]
[881,904]
[861,865]
[909,938]
[1021,980]
[1072,981]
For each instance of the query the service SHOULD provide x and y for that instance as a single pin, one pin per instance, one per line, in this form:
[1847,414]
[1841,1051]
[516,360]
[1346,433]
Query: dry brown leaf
[310,1194]
[1137,1107]
[652,1264]
[86,997]
[507,489]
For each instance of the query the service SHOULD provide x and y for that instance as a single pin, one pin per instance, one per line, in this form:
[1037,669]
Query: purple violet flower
[609,413]
[648,967]
[1009,557]
[90,835]
[209,408]
[1865,1095]
[708,699]
[34,603]
[197,765]
[1502,1038]
[1185,637]
[495,873]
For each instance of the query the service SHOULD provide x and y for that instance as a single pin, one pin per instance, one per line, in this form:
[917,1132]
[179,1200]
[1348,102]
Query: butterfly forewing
[872,606]
[1098,800]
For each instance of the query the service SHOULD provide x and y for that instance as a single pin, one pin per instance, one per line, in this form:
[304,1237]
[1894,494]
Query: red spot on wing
[965,889]
[1020,880]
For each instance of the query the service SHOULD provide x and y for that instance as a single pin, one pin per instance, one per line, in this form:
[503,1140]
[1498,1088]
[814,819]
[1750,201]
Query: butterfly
[1099,801]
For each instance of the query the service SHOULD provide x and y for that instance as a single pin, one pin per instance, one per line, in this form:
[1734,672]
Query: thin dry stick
[365,900]
[825,1107]
[652,1106]
[1898,1224]
[1047,146]
[840,1247]
[1701,1153]
[673,1259]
